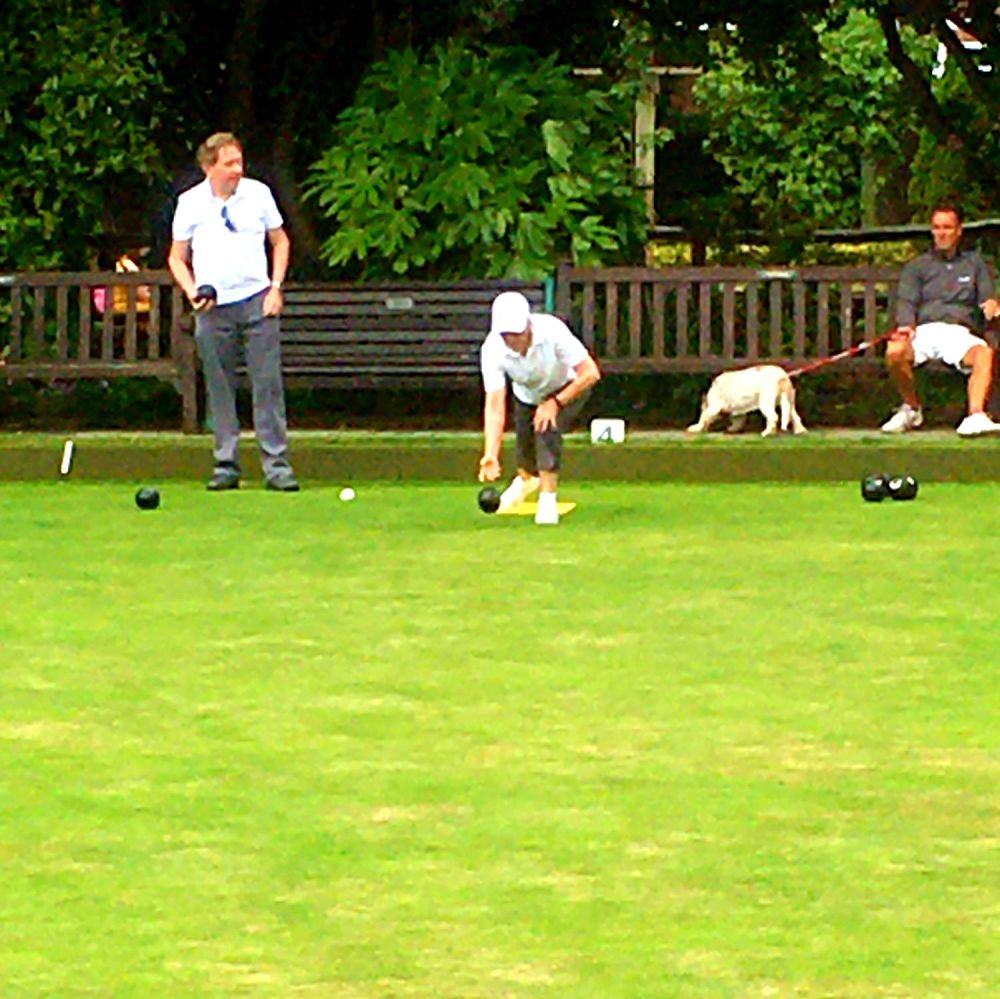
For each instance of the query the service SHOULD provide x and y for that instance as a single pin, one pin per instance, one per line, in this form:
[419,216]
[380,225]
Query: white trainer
[976,424]
[548,509]
[905,418]
[518,491]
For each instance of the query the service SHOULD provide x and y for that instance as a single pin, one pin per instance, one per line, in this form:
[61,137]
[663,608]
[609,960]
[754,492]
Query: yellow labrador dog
[736,393]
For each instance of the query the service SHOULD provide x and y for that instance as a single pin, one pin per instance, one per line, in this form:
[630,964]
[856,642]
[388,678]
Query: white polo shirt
[545,368]
[230,258]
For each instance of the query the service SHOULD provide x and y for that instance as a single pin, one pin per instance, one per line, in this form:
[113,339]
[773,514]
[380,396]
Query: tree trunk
[240,57]
[949,132]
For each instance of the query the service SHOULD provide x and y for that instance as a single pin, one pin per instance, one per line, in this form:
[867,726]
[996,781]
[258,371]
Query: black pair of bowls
[875,487]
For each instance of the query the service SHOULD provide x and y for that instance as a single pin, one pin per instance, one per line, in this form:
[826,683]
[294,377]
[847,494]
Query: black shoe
[286,483]
[221,481]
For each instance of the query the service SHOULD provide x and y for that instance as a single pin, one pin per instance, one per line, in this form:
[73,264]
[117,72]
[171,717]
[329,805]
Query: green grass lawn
[700,740]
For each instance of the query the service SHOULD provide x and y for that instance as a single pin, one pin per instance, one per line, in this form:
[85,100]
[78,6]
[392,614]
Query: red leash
[850,352]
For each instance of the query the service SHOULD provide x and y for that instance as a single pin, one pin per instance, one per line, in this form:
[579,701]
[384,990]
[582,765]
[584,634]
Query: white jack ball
[347,494]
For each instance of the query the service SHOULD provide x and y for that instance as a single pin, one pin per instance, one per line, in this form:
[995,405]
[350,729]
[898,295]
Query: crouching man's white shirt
[545,368]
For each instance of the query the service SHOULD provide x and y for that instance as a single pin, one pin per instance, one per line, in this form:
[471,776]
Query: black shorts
[542,452]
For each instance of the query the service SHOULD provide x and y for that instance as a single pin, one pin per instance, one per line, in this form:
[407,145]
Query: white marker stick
[67,458]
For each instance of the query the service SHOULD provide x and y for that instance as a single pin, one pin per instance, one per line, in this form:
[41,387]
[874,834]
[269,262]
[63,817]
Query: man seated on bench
[942,297]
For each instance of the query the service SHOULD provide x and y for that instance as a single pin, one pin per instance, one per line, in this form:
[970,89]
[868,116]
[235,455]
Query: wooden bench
[708,319]
[53,332]
[405,334]
[411,334]
[394,334]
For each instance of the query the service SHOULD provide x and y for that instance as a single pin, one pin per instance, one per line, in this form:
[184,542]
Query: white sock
[548,510]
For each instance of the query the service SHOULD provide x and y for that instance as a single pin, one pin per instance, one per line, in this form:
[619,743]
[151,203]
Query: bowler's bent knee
[979,357]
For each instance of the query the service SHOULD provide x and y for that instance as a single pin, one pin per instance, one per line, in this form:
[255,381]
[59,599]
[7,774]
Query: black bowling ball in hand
[874,488]
[206,293]
[902,487]
[489,499]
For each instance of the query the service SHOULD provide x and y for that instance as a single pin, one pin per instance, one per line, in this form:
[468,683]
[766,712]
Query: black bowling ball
[874,488]
[147,498]
[902,487]
[489,499]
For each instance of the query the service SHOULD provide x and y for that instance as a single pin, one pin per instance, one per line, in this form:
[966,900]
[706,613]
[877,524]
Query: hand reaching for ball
[489,469]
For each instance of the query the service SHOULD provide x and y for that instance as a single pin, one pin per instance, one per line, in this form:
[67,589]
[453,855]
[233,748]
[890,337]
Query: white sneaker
[548,510]
[977,423]
[518,491]
[905,418]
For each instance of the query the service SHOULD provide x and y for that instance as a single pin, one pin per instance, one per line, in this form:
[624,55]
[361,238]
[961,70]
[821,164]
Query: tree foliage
[94,97]
[943,171]
[279,73]
[962,116]
[794,142]
[80,100]
[481,161]
[962,121]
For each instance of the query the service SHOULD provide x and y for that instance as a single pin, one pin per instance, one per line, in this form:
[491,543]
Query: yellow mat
[530,508]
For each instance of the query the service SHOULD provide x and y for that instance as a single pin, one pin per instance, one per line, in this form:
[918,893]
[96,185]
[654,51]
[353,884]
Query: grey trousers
[542,452]
[227,335]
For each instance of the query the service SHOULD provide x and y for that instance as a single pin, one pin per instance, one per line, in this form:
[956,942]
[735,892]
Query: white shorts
[948,342]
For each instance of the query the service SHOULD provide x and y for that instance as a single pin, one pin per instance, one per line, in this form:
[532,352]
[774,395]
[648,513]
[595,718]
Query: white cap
[509,313]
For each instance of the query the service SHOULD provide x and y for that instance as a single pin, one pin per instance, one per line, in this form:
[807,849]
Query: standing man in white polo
[219,230]
[551,374]
[942,298]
